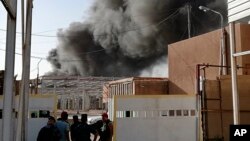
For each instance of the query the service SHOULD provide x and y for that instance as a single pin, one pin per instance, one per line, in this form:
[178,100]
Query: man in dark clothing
[73,127]
[97,125]
[49,132]
[106,131]
[63,126]
[84,130]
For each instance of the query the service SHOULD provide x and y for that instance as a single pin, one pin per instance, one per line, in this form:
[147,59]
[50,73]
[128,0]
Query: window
[44,113]
[1,113]
[164,113]
[34,114]
[171,113]
[185,112]
[127,114]
[193,113]
[178,113]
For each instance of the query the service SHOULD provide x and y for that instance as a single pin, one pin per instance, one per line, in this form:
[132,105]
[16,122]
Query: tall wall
[183,57]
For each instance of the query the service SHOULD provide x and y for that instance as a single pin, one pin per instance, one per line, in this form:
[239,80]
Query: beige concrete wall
[218,123]
[185,55]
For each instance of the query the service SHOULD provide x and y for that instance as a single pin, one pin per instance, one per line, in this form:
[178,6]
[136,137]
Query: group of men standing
[61,130]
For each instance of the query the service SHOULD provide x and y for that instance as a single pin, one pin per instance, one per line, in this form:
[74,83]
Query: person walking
[106,131]
[73,128]
[63,126]
[83,131]
[49,132]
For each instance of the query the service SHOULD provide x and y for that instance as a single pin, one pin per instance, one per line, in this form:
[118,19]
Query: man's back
[73,130]
[83,132]
[48,133]
[63,127]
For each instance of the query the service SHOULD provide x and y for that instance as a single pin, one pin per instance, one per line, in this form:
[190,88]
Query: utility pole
[7,123]
[189,7]
[22,121]
[37,79]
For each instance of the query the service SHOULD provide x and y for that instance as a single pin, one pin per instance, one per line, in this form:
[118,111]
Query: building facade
[75,92]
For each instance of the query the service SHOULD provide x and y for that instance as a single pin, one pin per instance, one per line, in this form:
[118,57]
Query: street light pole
[223,60]
[188,6]
[206,9]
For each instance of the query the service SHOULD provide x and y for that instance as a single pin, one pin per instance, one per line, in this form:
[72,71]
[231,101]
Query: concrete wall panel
[156,118]
[212,88]
[215,122]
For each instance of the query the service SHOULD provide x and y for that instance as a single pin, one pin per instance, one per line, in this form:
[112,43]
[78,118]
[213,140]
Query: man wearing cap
[106,131]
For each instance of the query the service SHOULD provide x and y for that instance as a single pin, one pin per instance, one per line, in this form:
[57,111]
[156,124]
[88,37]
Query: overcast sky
[48,17]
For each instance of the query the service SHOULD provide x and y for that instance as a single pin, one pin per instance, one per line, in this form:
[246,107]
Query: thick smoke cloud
[124,37]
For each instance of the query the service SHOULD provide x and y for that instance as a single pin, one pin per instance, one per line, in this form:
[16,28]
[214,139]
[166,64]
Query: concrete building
[184,57]
[135,86]
[132,86]
[75,92]
[17,84]
[194,70]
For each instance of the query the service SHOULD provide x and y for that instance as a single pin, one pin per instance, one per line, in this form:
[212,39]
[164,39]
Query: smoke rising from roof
[124,37]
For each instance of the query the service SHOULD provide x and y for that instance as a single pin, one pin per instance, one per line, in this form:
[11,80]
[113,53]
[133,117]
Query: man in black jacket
[49,132]
[73,128]
[84,130]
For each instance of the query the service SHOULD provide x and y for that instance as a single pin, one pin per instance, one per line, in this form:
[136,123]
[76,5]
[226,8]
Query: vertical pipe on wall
[235,96]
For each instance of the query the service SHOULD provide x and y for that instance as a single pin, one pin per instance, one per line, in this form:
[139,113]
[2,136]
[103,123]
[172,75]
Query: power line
[32,34]
[158,24]
[35,57]
[90,52]
[135,29]
[108,34]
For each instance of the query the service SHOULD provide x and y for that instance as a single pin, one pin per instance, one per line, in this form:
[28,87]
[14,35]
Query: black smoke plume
[126,37]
